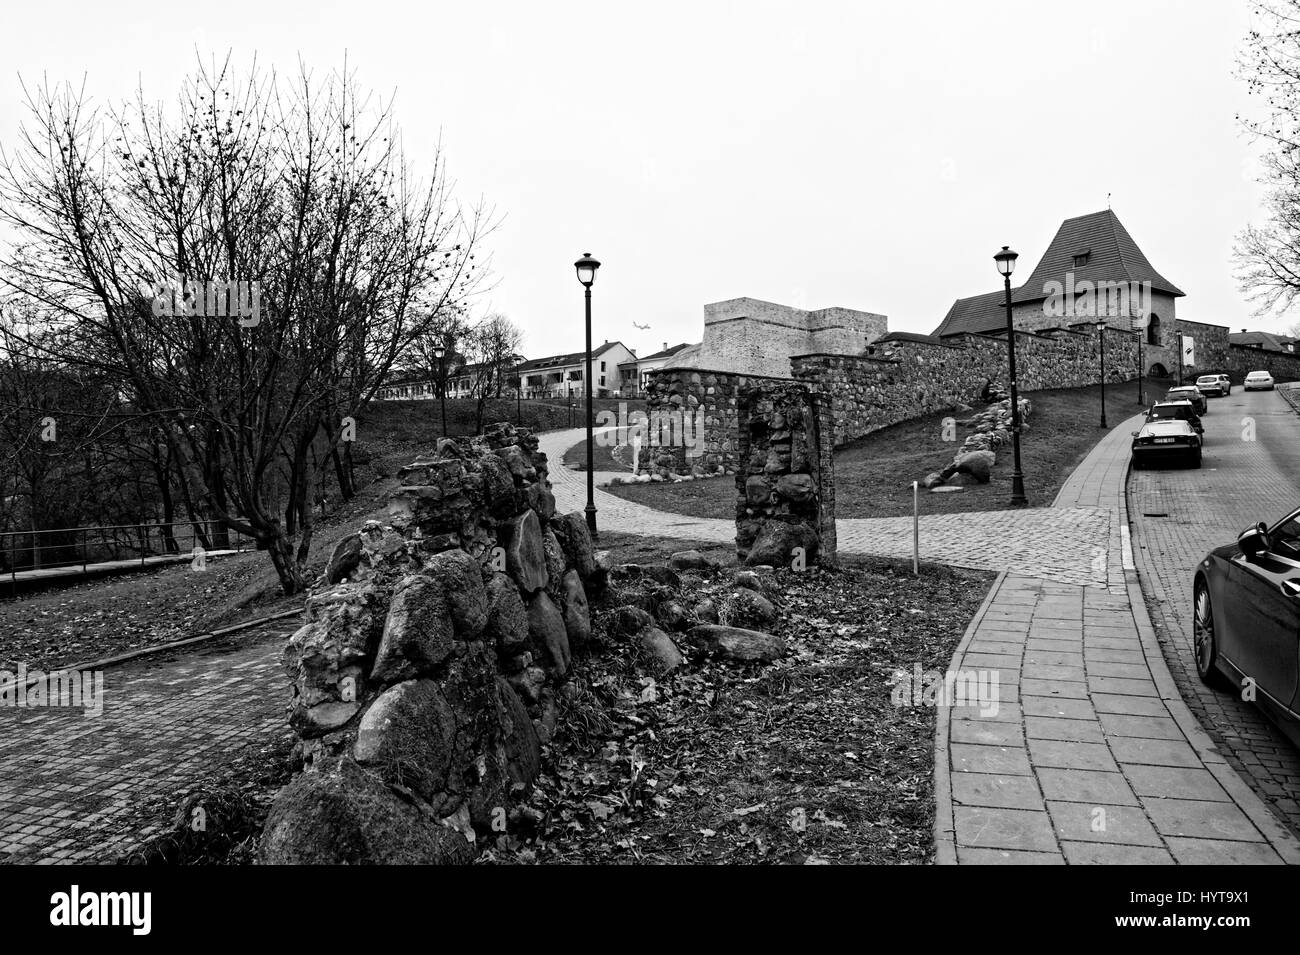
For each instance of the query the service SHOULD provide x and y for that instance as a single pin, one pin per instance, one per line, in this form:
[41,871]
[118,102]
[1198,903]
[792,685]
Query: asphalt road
[1251,473]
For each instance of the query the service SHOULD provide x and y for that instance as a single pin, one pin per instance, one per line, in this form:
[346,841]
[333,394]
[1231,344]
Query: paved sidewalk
[68,782]
[1091,756]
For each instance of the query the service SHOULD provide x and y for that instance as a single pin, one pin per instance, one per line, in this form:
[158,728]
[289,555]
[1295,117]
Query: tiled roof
[906,337]
[667,352]
[1112,256]
[573,358]
[979,313]
[1262,340]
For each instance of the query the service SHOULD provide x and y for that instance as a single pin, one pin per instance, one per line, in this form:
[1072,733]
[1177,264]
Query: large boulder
[796,487]
[776,543]
[526,552]
[978,464]
[546,628]
[661,649]
[630,620]
[418,634]
[344,560]
[461,577]
[574,609]
[748,608]
[738,644]
[507,620]
[408,736]
[689,560]
[342,815]
[571,531]
[523,752]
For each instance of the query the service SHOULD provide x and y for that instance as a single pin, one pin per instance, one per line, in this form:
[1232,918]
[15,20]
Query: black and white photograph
[712,433]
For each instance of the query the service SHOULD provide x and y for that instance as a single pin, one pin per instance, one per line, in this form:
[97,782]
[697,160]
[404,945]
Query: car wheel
[1205,646]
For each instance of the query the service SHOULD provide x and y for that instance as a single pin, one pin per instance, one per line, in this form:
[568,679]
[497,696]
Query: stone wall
[785,490]
[425,676]
[685,390]
[752,337]
[907,379]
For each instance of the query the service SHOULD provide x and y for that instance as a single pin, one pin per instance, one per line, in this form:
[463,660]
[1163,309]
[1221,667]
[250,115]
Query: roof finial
[1108,201]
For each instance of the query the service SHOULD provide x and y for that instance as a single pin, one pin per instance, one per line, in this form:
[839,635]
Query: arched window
[1153,330]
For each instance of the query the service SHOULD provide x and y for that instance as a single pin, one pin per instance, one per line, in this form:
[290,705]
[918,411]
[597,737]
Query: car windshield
[1169,411]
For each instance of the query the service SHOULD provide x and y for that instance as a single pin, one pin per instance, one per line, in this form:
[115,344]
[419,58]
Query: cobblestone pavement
[66,779]
[1090,755]
[1178,516]
[1065,544]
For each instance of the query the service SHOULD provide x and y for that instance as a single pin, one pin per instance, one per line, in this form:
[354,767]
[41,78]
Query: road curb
[945,826]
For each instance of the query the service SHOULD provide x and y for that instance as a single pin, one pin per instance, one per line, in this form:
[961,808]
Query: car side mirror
[1253,541]
[1134,433]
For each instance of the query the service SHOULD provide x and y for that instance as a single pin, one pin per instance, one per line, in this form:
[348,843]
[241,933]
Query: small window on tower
[1081,259]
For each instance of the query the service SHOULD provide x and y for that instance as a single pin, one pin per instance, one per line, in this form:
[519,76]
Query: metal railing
[25,551]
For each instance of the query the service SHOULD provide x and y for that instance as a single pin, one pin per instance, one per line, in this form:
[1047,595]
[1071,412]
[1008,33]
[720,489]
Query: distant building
[633,374]
[559,376]
[1265,340]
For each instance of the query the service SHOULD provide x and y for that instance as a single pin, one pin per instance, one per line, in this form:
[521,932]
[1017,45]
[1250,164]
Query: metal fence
[22,551]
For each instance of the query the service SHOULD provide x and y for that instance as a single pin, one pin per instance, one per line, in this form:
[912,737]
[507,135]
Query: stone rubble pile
[425,677]
[990,431]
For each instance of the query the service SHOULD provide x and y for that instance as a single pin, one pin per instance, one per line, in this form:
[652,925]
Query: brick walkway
[1178,516]
[66,780]
[1092,756]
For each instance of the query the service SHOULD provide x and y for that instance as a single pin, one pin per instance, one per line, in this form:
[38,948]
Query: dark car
[1166,439]
[1189,393]
[1177,411]
[1246,617]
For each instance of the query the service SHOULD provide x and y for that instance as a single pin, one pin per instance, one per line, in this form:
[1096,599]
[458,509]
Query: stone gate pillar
[785,482]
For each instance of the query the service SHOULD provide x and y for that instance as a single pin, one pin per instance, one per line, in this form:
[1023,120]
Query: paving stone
[988,759]
[1061,707]
[1199,819]
[1221,852]
[995,790]
[1084,822]
[982,827]
[1175,781]
[1105,853]
[1132,705]
[1086,785]
[968,856]
[988,732]
[1154,752]
[1046,727]
[1150,727]
[1069,755]
[1053,688]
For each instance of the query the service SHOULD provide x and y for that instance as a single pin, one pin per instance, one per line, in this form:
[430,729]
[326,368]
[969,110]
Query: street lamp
[1101,334]
[1006,260]
[586,268]
[440,352]
[519,392]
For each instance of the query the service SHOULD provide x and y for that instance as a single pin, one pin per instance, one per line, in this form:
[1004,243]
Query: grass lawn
[874,475]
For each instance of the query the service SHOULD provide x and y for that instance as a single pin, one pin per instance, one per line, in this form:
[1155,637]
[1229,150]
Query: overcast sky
[869,155]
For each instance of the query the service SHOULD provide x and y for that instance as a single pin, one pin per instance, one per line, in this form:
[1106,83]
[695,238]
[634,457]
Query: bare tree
[1268,255]
[492,348]
[247,269]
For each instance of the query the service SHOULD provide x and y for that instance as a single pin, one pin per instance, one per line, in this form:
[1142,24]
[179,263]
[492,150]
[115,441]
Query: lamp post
[440,352]
[519,394]
[1142,334]
[1006,260]
[586,268]
[1179,337]
[1101,334]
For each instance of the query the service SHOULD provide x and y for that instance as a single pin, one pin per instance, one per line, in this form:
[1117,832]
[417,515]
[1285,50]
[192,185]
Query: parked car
[1177,411]
[1260,380]
[1165,439]
[1189,393]
[1214,384]
[1246,617]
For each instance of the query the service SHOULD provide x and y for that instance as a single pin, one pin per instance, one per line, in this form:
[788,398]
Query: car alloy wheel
[1204,645]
